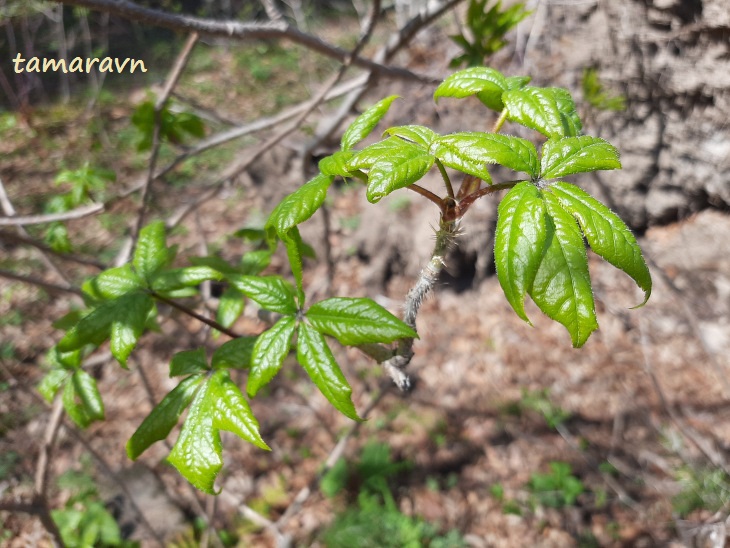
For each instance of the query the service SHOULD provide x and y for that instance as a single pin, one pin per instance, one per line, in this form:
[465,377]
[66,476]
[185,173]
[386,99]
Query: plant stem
[184,309]
[445,176]
[426,193]
[500,121]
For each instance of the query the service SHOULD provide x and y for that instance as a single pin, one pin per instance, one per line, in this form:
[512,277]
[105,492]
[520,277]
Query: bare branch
[78,213]
[53,288]
[26,240]
[273,30]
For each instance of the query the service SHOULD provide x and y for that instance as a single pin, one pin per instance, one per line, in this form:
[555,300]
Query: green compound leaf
[254,262]
[300,205]
[365,123]
[270,292]
[151,253]
[189,276]
[235,354]
[115,282]
[562,285]
[132,311]
[550,111]
[230,307]
[269,352]
[232,412]
[418,135]
[295,251]
[404,166]
[336,164]
[606,233]
[163,418]
[561,157]
[218,405]
[81,399]
[470,151]
[484,82]
[317,360]
[188,362]
[216,263]
[355,321]
[519,242]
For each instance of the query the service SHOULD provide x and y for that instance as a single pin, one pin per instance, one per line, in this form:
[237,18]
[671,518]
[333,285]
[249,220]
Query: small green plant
[86,184]
[557,488]
[175,127]
[488,27]
[375,504]
[702,488]
[539,401]
[539,251]
[84,521]
[597,96]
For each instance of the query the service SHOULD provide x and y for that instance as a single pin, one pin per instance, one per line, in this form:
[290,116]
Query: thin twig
[172,79]
[184,309]
[26,240]
[53,288]
[277,30]
[77,213]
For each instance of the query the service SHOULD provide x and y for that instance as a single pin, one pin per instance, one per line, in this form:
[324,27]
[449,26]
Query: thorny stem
[445,176]
[426,280]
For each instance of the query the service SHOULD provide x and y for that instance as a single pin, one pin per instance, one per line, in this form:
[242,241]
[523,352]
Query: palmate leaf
[369,156]
[317,360]
[606,233]
[562,285]
[163,418]
[188,362]
[218,405]
[550,111]
[470,151]
[269,352]
[365,123]
[354,321]
[336,164]
[519,242]
[230,307]
[114,282]
[569,155]
[189,276]
[235,354]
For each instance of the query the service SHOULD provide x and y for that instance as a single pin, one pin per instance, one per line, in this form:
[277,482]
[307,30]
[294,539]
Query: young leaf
[230,307]
[189,276]
[151,253]
[269,352]
[403,166]
[561,157]
[91,329]
[550,111]
[300,205]
[197,451]
[51,383]
[484,82]
[216,263]
[253,262]
[357,321]
[270,292]
[316,358]
[606,233]
[163,418]
[336,164]
[115,282]
[81,399]
[519,242]
[218,405]
[235,354]
[188,362]
[365,123]
[295,251]
[232,412]
[132,311]
[469,151]
[562,285]
[418,135]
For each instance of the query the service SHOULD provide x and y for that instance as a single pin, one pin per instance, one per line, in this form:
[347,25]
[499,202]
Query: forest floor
[510,437]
